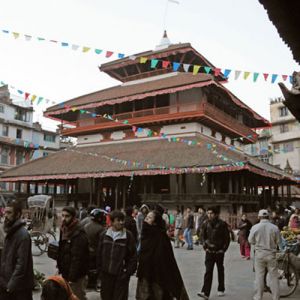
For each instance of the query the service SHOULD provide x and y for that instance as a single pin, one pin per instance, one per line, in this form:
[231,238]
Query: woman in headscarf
[158,274]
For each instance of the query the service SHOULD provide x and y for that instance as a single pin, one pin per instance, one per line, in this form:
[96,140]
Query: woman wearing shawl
[57,288]
[158,274]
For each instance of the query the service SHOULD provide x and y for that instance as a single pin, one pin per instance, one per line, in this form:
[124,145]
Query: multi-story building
[163,135]
[21,140]
[285,136]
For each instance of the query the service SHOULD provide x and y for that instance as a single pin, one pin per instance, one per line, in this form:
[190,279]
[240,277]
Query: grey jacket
[16,271]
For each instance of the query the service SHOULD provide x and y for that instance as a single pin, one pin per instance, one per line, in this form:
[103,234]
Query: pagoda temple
[166,134]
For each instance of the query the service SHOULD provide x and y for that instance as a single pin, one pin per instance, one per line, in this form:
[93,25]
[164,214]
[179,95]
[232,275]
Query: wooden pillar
[67,192]
[230,184]
[264,196]
[116,194]
[99,186]
[28,187]
[282,191]
[236,184]
[47,188]
[36,188]
[242,184]
[151,185]
[124,191]
[91,191]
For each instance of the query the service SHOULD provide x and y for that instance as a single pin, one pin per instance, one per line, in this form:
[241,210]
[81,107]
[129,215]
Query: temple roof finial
[164,42]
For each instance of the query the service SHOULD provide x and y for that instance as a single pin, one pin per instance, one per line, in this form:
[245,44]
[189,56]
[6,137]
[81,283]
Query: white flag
[174,1]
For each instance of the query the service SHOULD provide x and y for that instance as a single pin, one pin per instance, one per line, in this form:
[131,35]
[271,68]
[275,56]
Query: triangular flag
[132,57]
[41,39]
[75,47]
[121,55]
[64,44]
[33,97]
[98,51]
[85,49]
[27,37]
[176,66]
[291,79]
[274,77]
[53,41]
[109,54]
[227,72]
[217,71]
[255,76]
[82,111]
[237,74]
[20,92]
[207,70]
[154,63]
[246,75]
[266,75]
[284,77]
[186,67]
[196,69]
[143,60]
[16,34]
[40,100]
[73,109]
[5,31]
[26,95]
[165,64]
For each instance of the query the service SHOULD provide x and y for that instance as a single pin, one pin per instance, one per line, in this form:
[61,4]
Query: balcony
[206,113]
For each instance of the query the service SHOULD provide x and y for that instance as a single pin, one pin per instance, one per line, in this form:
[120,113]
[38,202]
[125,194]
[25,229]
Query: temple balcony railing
[206,113]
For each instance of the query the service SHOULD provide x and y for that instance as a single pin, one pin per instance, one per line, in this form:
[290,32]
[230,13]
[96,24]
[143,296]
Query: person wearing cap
[73,252]
[265,237]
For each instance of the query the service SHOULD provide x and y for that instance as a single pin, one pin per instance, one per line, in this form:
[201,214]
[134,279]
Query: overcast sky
[232,34]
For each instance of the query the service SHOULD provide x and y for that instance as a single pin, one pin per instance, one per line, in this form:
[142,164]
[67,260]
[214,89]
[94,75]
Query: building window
[283,111]
[5,130]
[4,155]
[21,115]
[19,133]
[284,128]
[19,157]
[2,109]
[288,147]
[276,148]
[49,138]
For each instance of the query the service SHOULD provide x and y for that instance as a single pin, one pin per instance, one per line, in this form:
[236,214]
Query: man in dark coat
[130,223]
[116,259]
[73,253]
[216,241]
[16,271]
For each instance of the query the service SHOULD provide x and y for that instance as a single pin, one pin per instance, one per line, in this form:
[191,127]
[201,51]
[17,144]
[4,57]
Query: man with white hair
[265,237]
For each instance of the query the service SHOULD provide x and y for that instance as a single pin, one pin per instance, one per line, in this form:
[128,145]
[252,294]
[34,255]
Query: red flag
[165,64]
[109,53]
[26,95]
[217,71]
[284,77]
[266,75]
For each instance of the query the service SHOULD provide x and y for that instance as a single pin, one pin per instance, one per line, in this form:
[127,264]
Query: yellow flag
[246,75]
[143,60]
[74,109]
[33,97]
[16,34]
[196,69]
[86,49]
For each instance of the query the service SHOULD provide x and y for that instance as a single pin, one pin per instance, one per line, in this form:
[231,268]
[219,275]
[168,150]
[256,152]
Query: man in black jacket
[216,239]
[16,271]
[116,259]
[73,253]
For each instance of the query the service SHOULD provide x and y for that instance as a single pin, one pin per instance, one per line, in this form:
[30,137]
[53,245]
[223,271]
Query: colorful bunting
[196,69]
[255,76]
[154,63]
[246,75]
[176,66]
[237,74]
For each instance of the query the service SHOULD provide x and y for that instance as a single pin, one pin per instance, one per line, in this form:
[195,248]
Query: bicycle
[288,275]
[40,241]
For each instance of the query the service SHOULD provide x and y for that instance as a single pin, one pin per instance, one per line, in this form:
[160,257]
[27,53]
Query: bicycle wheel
[288,278]
[50,238]
[39,243]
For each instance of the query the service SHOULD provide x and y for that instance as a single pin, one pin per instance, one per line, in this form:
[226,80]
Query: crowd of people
[100,246]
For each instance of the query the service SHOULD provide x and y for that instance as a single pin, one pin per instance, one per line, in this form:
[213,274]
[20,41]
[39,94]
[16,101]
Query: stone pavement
[238,275]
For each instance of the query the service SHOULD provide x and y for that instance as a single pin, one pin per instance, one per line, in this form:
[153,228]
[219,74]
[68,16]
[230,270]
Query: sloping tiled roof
[169,84]
[122,91]
[91,161]
[285,15]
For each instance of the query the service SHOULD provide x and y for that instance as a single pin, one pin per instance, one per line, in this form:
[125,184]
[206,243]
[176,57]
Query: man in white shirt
[265,237]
